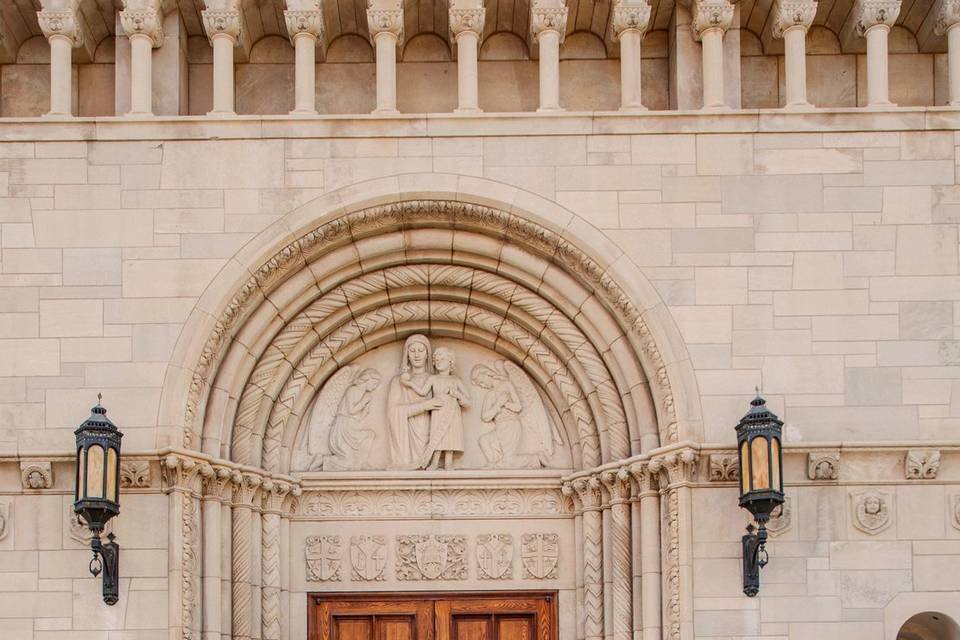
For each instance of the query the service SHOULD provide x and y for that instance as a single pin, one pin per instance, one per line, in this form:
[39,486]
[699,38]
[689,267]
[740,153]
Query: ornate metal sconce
[97,493]
[761,484]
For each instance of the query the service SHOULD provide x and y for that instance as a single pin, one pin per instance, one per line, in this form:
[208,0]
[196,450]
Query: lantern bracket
[754,558]
[106,558]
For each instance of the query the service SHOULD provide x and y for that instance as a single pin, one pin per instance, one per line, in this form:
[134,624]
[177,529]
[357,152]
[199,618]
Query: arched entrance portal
[377,336]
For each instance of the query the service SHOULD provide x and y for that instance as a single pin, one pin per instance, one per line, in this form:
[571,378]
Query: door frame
[315,598]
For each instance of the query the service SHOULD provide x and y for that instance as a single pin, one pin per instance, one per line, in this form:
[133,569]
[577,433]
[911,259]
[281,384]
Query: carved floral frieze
[426,503]
[431,557]
[921,464]
[871,510]
[495,556]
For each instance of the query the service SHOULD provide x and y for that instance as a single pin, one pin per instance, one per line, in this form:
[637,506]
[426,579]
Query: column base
[886,104]
[221,114]
[551,110]
[632,109]
[54,115]
[468,110]
[385,112]
[139,115]
[799,106]
[303,113]
[716,107]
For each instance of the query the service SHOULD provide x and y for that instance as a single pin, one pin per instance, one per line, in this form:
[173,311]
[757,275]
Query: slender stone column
[306,31]
[386,30]
[466,26]
[226,557]
[711,19]
[274,494]
[548,24]
[215,485]
[791,20]
[590,499]
[245,493]
[630,21]
[649,499]
[183,481]
[144,29]
[63,34]
[875,18]
[947,20]
[568,491]
[618,488]
[223,30]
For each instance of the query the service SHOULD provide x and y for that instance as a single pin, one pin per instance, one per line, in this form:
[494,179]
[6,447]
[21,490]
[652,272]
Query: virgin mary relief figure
[409,403]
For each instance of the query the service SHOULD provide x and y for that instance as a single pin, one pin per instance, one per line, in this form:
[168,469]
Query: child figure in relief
[446,423]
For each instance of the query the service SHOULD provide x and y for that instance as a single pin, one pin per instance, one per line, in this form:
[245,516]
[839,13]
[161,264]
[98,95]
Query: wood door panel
[515,627]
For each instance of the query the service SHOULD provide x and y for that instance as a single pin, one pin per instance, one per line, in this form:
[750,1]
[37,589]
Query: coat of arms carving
[540,555]
[495,556]
[431,557]
[368,557]
[323,558]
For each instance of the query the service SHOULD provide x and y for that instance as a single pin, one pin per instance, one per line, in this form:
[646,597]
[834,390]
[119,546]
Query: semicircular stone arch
[373,273]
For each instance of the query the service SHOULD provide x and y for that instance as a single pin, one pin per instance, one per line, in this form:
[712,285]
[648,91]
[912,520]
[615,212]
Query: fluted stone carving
[274,493]
[246,490]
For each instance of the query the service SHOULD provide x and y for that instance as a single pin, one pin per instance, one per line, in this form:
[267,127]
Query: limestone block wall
[814,256]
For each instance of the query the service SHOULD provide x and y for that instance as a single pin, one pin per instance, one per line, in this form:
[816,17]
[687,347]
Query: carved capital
[875,13]
[544,19]
[617,482]
[711,14]
[792,13]
[218,485]
[385,21]
[147,21]
[184,474]
[630,16]
[246,489]
[823,465]
[645,478]
[274,493]
[221,22]
[304,21]
[61,23]
[948,16]
[585,493]
[135,474]
[676,467]
[467,20]
[921,464]
[36,475]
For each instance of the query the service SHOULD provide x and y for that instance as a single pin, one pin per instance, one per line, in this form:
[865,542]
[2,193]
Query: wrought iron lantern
[761,484]
[97,493]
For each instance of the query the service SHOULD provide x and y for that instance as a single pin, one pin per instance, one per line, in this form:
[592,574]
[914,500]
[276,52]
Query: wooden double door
[430,616]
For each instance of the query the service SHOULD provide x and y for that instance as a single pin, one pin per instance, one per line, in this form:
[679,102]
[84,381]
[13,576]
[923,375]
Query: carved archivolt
[602,386]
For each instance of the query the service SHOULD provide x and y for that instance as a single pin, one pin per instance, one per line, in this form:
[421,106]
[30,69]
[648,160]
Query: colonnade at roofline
[141,21]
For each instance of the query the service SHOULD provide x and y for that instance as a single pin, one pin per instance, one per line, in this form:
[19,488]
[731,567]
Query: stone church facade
[425,356]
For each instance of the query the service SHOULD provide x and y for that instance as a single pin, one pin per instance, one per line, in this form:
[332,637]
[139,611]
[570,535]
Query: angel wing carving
[540,437]
[314,442]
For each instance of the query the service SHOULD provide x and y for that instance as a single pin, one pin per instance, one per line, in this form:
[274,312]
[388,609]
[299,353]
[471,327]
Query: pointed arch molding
[544,289]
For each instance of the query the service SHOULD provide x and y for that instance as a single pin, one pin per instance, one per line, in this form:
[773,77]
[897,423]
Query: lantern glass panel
[95,471]
[744,468]
[81,470]
[112,474]
[759,466]
[775,482]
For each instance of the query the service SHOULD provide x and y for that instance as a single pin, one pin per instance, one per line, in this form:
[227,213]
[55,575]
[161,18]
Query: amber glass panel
[81,466]
[95,471]
[745,470]
[775,480]
[112,474]
[759,471]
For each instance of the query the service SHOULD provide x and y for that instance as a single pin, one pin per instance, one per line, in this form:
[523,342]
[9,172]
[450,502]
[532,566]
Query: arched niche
[349,47]
[929,625]
[507,270]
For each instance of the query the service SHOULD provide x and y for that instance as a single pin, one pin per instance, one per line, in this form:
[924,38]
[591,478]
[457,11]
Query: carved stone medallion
[823,465]
[36,475]
[871,510]
[431,557]
[135,474]
[921,464]
[540,555]
[368,557]
[495,556]
[323,558]
[781,518]
[5,509]
[724,467]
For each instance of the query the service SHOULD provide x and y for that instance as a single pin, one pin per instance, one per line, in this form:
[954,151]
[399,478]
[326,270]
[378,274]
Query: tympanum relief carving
[429,414]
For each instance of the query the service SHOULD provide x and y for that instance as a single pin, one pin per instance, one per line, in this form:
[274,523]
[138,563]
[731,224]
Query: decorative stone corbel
[711,14]
[135,474]
[823,465]
[147,20]
[921,464]
[36,475]
[724,467]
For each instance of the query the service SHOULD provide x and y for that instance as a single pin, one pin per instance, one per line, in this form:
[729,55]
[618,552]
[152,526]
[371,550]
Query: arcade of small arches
[304,57]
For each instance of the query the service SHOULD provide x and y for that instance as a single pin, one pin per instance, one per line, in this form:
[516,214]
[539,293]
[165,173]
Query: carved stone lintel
[711,14]
[871,510]
[36,475]
[921,464]
[792,13]
[135,474]
[385,21]
[147,21]
[948,16]
[630,16]
[724,467]
[431,557]
[781,518]
[540,555]
[304,21]
[368,558]
[548,19]
[873,13]
[226,22]
[323,558]
[467,20]
[61,23]
[823,465]
[495,556]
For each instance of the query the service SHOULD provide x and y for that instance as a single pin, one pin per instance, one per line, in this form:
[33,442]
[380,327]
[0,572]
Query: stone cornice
[630,16]
[711,14]
[792,13]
